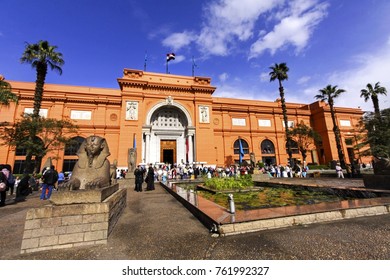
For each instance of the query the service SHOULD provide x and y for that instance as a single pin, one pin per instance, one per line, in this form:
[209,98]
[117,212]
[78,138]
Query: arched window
[294,147]
[70,154]
[20,157]
[267,147]
[73,146]
[244,145]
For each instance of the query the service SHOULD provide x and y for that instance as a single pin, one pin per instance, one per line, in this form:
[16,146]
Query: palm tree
[373,93]
[40,56]
[328,94]
[279,72]
[6,94]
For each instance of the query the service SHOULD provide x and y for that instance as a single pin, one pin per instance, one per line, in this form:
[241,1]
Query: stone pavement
[155,226]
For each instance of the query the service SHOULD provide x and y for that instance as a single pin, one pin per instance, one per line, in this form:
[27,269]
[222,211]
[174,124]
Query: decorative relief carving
[113,117]
[169,100]
[132,73]
[204,114]
[131,110]
[202,80]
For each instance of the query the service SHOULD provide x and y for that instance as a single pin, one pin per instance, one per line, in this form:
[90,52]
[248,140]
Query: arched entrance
[168,135]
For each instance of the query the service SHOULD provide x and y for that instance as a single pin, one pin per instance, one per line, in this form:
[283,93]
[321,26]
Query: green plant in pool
[229,183]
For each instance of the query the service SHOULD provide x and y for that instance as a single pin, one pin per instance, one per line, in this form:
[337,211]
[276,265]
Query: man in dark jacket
[50,177]
[139,178]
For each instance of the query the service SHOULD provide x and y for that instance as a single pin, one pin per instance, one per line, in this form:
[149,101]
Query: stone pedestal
[75,218]
[373,181]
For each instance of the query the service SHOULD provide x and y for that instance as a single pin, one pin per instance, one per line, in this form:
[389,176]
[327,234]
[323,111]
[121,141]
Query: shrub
[229,183]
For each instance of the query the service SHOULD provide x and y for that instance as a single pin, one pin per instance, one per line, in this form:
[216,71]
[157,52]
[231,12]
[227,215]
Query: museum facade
[175,119]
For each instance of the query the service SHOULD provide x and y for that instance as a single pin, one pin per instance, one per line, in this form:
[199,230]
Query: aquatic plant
[229,183]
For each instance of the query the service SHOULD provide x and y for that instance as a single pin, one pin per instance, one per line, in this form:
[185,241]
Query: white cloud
[223,77]
[229,91]
[295,27]
[229,22]
[177,41]
[303,80]
[226,23]
[372,68]
[264,77]
[368,68]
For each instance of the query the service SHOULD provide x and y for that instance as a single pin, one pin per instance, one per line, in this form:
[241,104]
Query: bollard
[232,208]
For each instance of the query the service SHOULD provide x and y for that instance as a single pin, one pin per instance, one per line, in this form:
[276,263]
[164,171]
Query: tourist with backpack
[50,177]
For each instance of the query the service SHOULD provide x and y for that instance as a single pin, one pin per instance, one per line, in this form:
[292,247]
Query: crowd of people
[19,187]
[50,179]
[163,172]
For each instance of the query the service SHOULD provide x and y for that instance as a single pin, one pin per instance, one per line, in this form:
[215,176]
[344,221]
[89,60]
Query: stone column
[147,147]
[190,149]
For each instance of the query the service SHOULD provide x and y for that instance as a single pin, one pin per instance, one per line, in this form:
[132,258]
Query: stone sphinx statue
[92,170]
[381,166]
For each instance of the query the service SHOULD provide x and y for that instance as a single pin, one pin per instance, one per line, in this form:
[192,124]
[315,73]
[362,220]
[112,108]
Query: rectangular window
[265,123]
[289,123]
[42,112]
[345,123]
[238,122]
[80,115]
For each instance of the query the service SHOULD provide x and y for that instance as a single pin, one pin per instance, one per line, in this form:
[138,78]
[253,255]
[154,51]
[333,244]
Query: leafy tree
[328,94]
[41,56]
[306,138]
[376,134]
[279,72]
[373,92]
[51,134]
[6,94]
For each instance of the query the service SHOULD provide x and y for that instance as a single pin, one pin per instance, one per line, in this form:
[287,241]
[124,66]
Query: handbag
[3,186]
[146,180]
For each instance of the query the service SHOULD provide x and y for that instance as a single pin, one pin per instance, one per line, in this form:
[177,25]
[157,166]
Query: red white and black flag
[170,56]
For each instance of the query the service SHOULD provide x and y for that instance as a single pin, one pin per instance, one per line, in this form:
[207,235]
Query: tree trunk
[337,137]
[375,102]
[40,82]
[284,111]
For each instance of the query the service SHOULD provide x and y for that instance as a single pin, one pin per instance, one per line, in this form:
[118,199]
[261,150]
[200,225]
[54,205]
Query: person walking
[339,171]
[17,180]
[139,178]
[50,177]
[150,178]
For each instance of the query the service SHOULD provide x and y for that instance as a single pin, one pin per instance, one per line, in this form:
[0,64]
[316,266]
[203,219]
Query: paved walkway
[155,226]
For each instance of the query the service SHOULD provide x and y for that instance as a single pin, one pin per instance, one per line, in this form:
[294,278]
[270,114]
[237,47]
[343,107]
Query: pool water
[271,197]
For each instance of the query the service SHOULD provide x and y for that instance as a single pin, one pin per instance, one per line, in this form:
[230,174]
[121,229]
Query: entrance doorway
[168,151]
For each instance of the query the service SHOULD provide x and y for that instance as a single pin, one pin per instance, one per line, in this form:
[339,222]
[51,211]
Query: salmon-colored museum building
[176,119]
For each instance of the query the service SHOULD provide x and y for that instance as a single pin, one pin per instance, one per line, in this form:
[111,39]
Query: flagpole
[146,58]
[193,67]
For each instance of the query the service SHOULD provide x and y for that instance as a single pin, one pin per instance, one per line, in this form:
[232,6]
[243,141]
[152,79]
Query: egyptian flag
[170,56]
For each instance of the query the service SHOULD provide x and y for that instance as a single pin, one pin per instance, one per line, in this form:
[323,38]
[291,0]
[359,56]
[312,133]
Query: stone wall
[303,219]
[71,225]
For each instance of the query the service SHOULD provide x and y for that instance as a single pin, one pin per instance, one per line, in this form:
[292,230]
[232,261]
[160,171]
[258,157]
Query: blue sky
[338,42]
